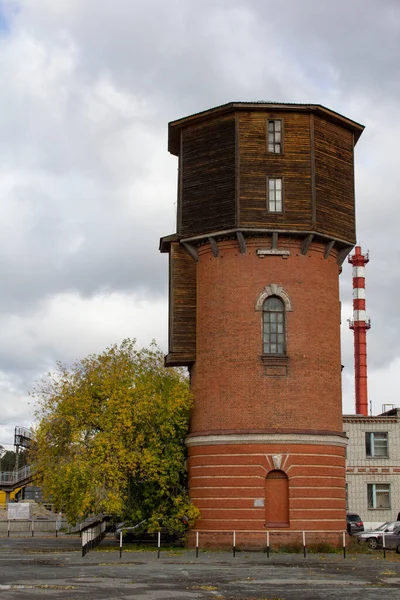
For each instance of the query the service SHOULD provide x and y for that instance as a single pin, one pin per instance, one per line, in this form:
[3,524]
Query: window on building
[378,495]
[273,326]
[275,194]
[376,444]
[275,136]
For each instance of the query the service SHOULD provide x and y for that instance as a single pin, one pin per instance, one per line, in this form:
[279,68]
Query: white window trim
[372,445]
[374,507]
[273,289]
[274,142]
[282,199]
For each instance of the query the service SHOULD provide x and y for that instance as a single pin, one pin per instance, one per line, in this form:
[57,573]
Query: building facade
[266,217]
[373,466]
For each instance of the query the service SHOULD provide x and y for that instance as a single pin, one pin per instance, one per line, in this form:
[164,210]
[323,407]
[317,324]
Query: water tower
[265,219]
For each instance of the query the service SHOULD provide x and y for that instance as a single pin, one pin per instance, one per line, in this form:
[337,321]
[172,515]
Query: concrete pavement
[53,568]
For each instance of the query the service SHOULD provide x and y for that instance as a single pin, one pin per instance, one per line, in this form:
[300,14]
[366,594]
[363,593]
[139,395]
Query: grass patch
[355,547]
[352,547]
[315,548]
[140,548]
[324,548]
[294,548]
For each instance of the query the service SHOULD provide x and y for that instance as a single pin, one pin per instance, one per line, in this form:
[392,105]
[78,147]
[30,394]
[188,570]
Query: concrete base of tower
[285,485]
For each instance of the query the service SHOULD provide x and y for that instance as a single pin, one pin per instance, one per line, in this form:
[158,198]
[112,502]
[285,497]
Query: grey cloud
[87,186]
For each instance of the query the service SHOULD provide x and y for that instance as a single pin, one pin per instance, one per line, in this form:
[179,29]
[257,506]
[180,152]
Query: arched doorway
[276,499]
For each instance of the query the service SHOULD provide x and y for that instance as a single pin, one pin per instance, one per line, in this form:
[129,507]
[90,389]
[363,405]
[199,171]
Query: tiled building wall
[358,499]
[362,470]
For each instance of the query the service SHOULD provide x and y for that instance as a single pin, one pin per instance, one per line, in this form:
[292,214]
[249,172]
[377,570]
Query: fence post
[304,545]
[158,544]
[32,526]
[267,544]
[8,528]
[344,544]
[234,544]
[197,544]
[58,522]
[384,546]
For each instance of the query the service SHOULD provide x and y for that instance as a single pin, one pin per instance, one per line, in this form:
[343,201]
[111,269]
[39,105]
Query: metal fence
[92,535]
[11,477]
[270,540]
[300,541]
[31,527]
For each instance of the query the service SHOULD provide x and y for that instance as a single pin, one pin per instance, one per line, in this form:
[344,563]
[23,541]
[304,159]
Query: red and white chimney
[360,325]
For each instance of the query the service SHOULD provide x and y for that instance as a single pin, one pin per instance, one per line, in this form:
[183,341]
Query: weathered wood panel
[207,200]
[294,165]
[334,180]
[182,307]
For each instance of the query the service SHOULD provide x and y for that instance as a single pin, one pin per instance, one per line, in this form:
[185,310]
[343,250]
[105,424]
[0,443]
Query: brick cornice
[369,419]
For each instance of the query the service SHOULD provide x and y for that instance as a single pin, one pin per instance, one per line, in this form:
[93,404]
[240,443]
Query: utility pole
[2,453]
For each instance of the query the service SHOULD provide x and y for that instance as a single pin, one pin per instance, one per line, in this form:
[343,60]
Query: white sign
[258,502]
[19,511]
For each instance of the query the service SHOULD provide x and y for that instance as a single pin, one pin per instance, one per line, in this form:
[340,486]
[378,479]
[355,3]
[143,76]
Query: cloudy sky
[87,186]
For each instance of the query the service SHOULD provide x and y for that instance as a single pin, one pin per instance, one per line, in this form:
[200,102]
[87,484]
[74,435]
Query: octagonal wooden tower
[265,219]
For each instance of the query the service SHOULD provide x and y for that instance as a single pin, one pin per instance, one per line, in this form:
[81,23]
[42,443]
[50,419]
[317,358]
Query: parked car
[139,534]
[354,523]
[392,540]
[371,537]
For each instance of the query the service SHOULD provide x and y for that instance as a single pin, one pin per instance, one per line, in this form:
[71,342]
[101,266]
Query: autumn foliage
[110,437]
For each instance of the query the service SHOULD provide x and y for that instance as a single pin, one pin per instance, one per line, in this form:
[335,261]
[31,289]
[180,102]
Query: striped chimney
[360,324]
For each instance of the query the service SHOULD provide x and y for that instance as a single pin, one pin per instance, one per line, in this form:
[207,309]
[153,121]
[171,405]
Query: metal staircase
[9,480]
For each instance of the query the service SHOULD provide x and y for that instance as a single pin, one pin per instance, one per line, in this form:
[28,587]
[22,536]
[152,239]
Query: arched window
[274,326]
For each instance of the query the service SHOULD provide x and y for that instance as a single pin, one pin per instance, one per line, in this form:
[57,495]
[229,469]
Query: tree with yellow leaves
[110,437]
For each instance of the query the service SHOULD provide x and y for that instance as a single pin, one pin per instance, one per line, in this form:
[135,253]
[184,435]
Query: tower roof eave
[165,242]
[175,127]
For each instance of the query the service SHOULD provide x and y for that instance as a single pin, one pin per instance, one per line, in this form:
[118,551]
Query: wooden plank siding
[207,200]
[182,307]
[294,166]
[334,180]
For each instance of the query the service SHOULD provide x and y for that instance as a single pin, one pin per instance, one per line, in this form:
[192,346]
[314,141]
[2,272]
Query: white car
[371,537]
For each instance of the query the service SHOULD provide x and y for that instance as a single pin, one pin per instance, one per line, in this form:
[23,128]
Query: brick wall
[228,483]
[247,412]
[231,389]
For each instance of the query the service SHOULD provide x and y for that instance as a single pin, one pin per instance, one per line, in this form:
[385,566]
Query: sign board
[258,502]
[19,511]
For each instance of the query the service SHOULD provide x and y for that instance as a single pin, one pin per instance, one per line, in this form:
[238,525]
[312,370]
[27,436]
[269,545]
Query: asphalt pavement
[49,568]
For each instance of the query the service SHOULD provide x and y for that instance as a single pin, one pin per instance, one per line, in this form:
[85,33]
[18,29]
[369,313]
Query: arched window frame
[274,330]
[274,290]
[277,504]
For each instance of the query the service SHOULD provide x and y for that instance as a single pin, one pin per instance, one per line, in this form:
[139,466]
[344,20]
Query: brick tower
[265,219]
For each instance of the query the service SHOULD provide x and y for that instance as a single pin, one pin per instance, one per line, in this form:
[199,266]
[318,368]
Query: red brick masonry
[292,402]
[227,483]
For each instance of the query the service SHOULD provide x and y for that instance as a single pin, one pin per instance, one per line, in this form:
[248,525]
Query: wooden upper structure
[224,166]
